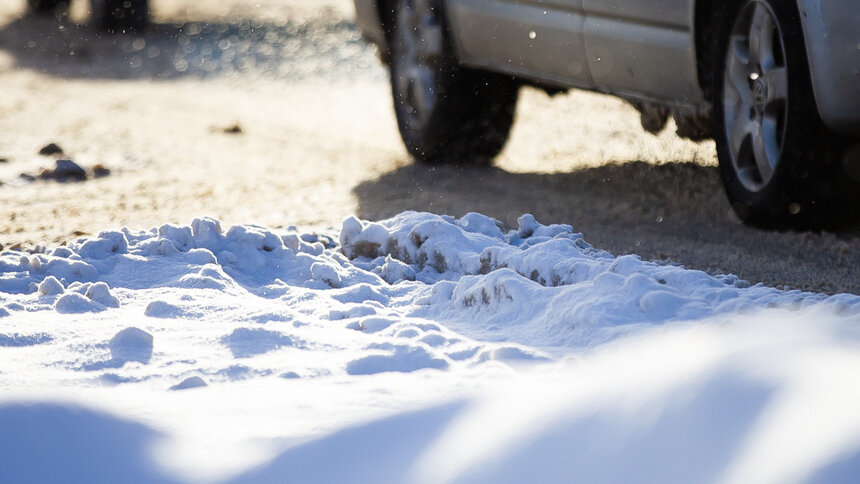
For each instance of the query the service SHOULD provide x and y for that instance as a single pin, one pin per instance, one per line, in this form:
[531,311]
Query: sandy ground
[318,142]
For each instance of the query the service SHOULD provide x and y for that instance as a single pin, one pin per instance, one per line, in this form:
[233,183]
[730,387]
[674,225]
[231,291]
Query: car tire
[446,113]
[119,16]
[778,162]
[55,8]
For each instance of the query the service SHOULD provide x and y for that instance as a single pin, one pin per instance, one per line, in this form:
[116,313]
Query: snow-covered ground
[421,349]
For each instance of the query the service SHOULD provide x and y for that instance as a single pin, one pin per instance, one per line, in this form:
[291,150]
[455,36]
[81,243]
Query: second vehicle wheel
[777,161]
[446,113]
[118,16]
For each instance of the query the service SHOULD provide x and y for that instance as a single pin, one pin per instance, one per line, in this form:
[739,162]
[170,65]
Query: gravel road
[275,112]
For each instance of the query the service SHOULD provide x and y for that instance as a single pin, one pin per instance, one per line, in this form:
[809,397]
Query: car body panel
[649,61]
[540,41]
[832,33]
[642,50]
[673,14]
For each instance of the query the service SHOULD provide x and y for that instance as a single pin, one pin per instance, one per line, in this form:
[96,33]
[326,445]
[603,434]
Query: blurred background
[275,112]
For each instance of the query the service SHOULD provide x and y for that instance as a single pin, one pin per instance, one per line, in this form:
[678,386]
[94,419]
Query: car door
[642,48]
[540,39]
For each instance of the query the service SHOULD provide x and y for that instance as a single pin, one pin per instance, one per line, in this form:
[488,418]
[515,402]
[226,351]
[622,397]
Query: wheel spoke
[761,37]
[403,85]
[410,14]
[765,159]
[739,70]
[404,31]
[423,93]
[740,130]
[430,42]
[776,80]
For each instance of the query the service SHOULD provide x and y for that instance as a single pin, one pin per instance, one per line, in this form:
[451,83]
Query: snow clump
[131,344]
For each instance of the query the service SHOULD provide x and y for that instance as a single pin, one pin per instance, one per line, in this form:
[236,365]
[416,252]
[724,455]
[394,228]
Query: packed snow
[418,349]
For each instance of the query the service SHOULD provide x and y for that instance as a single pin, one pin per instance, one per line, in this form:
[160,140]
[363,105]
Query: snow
[418,349]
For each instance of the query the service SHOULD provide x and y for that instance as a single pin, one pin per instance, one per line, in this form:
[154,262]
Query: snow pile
[422,348]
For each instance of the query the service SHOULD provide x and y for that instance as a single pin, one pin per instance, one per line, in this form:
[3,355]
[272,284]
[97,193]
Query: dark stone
[50,149]
[100,170]
[69,170]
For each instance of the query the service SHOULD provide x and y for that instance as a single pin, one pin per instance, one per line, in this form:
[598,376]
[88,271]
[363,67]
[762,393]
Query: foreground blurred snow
[422,348]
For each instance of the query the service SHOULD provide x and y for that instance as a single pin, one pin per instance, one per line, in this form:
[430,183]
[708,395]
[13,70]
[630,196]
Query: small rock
[27,177]
[4,160]
[68,169]
[235,129]
[190,382]
[100,171]
[131,344]
[50,149]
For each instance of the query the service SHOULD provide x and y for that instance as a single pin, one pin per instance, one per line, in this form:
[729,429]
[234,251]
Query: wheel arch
[706,23]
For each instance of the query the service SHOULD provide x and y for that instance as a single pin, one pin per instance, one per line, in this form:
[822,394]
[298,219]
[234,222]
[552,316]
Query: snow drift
[422,348]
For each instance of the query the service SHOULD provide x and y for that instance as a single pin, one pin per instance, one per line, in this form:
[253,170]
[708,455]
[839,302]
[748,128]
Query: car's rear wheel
[446,113]
[118,16]
[777,160]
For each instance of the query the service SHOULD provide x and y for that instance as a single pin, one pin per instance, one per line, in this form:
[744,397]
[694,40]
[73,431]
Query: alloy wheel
[419,37]
[755,95]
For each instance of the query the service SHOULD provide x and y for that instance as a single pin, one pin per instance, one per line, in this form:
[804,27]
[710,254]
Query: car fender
[831,31]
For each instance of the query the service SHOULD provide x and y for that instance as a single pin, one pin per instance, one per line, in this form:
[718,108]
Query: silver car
[776,83]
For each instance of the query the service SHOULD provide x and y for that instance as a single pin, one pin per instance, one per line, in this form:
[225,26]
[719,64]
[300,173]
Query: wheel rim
[755,95]
[419,46]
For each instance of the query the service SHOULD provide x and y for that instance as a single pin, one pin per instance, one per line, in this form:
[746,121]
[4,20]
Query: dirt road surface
[274,112]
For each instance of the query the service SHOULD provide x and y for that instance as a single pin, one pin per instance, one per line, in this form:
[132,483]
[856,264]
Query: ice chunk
[481,224]
[247,342]
[105,245]
[161,309]
[326,273]
[393,271]
[180,237]
[399,358]
[190,382]
[372,325]
[100,293]
[50,286]
[131,344]
[206,232]
[369,241]
[74,303]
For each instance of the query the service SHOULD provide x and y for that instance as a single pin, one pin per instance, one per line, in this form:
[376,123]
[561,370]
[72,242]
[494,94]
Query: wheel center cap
[759,94]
